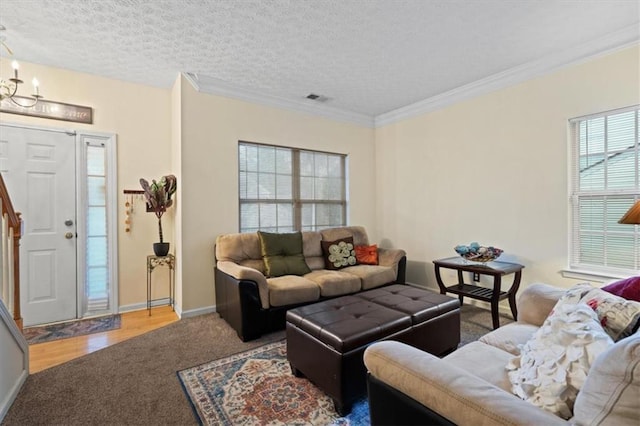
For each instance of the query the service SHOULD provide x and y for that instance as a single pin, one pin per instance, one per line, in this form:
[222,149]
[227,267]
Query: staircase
[10,250]
[14,350]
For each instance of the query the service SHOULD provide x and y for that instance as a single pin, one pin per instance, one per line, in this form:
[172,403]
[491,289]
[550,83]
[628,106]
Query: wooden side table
[493,296]
[153,262]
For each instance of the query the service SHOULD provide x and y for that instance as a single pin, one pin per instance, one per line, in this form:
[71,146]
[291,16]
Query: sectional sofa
[573,358]
[253,302]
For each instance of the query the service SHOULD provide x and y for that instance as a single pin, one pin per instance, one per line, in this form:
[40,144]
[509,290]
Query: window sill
[595,276]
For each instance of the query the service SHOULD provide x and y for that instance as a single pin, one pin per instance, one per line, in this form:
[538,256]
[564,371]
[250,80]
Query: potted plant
[158,196]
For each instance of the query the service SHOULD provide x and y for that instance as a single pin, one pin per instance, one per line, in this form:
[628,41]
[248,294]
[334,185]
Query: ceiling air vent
[317,98]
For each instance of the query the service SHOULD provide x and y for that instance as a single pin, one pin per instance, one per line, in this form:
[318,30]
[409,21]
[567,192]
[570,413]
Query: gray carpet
[135,382]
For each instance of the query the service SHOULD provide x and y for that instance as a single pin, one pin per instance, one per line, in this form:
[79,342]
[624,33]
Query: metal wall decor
[50,109]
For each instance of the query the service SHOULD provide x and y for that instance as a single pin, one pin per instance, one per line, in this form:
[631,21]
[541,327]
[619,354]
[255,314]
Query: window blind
[605,184]
[285,189]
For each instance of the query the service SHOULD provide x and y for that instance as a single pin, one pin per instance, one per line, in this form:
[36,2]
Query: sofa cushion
[618,316]
[367,255]
[628,288]
[282,254]
[358,234]
[372,276]
[454,393]
[536,301]
[338,254]
[553,365]
[312,249]
[243,249]
[334,283]
[611,393]
[493,372]
[291,289]
[510,337]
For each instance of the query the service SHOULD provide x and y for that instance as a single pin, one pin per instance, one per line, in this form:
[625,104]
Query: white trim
[618,40]
[603,114]
[218,87]
[164,302]
[591,276]
[195,312]
[143,306]
[110,146]
[70,132]
[611,43]
[6,318]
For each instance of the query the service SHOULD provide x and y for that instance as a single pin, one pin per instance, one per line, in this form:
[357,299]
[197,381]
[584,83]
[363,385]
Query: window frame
[296,201]
[608,196]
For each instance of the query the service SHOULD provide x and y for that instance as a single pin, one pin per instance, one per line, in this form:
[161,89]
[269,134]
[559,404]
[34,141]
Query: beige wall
[491,169]
[211,129]
[140,116]
[494,169]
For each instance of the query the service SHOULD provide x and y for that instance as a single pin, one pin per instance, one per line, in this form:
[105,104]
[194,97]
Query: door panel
[39,169]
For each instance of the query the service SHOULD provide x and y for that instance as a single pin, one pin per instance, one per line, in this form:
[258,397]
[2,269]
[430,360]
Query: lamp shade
[632,217]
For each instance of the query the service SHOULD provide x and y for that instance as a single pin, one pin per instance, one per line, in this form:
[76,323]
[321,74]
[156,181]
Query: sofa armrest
[450,391]
[536,301]
[243,273]
[392,257]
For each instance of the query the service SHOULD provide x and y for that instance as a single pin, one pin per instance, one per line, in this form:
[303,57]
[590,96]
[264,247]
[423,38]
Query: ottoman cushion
[348,322]
[420,304]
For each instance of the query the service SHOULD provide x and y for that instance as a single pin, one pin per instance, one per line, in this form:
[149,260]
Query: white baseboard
[163,302]
[6,404]
[9,391]
[141,306]
[195,312]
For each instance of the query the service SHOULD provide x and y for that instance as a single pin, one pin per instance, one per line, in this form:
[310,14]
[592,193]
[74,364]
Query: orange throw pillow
[367,255]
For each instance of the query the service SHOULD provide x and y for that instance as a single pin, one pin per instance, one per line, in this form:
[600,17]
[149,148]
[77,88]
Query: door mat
[64,330]
[257,387]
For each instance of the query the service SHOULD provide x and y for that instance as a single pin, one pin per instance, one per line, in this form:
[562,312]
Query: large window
[605,184]
[286,189]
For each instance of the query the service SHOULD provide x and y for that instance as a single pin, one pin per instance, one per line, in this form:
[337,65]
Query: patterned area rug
[68,329]
[257,387]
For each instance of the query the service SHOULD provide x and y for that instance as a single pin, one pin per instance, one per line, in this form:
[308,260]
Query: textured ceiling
[367,56]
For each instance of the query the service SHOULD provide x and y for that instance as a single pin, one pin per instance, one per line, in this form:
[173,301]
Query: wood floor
[49,354]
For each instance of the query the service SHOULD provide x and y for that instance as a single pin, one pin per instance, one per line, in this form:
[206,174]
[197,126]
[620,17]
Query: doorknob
[68,235]
[68,222]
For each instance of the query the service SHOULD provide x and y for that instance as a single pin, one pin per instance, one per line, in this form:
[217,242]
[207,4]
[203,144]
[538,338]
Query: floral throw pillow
[619,317]
[339,254]
[553,364]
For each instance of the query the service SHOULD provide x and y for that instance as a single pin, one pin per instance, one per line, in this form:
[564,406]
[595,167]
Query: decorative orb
[475,252]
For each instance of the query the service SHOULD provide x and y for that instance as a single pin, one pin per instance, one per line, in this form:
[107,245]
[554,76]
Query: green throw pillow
[282,254]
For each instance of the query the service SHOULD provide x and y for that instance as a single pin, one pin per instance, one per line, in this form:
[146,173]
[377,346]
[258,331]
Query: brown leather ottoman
[326,340]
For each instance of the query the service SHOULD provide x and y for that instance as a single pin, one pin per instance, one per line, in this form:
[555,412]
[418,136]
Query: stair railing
[11,231]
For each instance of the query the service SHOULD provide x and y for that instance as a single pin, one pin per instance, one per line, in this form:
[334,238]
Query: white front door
[39,169]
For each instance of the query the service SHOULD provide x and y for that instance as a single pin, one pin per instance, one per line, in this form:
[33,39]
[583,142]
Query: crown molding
[218,87]
[610,43]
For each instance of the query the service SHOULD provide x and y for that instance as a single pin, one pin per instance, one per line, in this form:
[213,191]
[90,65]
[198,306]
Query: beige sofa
[254,304]
[471,386]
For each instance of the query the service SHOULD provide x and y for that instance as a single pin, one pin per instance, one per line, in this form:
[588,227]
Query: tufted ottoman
[326,340]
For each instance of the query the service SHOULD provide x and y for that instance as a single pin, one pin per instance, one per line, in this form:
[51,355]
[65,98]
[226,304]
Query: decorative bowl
[475,252]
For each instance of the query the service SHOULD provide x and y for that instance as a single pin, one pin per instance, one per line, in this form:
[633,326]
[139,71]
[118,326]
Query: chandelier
[9,87]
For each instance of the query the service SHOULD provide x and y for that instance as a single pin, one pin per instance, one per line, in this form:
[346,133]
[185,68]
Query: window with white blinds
[97,291]
[287,189]
[605,184]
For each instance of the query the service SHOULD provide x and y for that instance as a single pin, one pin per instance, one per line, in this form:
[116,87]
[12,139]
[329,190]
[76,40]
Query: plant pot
[161,249]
